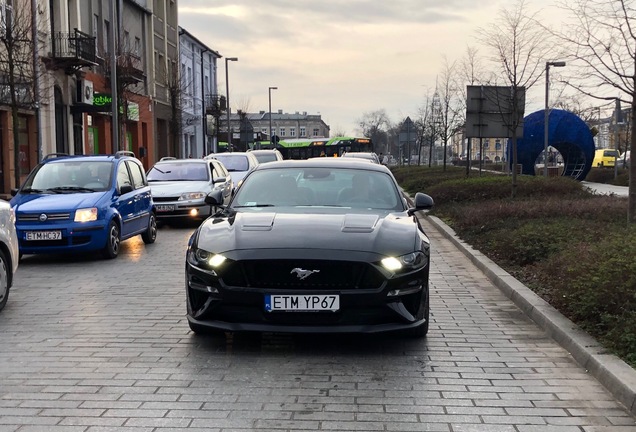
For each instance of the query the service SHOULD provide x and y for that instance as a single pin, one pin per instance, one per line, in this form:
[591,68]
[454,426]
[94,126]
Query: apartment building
[200,101]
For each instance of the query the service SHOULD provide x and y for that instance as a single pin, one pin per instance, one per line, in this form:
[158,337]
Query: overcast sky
[337,58]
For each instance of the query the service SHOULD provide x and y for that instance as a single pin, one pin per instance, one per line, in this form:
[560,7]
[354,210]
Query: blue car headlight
[86,214]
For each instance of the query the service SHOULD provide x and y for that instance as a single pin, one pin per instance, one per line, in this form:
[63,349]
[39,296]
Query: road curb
[617,376]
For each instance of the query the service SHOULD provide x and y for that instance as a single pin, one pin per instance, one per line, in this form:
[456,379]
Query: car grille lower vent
[314,275]
[165,199]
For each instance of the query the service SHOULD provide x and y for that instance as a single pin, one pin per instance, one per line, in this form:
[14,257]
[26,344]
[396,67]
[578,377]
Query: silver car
[239,164]
[179,187]
[9,254]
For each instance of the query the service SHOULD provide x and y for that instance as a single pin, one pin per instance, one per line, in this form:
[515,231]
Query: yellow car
[605,158]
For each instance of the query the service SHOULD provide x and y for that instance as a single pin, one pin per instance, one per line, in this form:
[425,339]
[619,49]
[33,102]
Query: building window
[264,131]
[497,145]
[292,132]
[6,15]
[316,132]
[303,132]
[96,30]
[189,82]
[106,35]
[282,131]
[273,132]
[486,143]
[127,46]
[137,46]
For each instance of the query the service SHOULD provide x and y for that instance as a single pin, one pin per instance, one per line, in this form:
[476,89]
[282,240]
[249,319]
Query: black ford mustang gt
[321,245]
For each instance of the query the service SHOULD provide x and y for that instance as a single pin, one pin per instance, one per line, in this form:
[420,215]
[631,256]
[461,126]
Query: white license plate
[302,302]
[44,235]
[165,207]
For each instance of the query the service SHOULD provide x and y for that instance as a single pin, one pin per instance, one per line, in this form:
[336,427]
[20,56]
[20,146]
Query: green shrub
[573,248]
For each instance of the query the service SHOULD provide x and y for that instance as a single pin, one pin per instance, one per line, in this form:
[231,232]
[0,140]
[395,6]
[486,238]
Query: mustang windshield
[324,187]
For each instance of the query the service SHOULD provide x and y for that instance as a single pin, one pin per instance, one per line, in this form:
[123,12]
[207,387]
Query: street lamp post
[547,113]
[271,137]
[227,101]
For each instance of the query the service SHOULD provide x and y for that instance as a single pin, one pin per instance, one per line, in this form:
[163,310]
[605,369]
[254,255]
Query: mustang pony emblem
[303,274]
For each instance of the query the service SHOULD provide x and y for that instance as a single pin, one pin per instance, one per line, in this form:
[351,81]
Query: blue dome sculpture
[566,132]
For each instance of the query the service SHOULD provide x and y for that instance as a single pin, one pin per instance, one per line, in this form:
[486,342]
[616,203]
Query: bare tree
[518,44]
[450,115]
[602,59]
[17,75]
[176,88]
[374,125]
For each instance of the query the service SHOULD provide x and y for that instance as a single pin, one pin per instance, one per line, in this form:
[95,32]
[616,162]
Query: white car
[368,156]
[179,187]
[9,254]
[239,164]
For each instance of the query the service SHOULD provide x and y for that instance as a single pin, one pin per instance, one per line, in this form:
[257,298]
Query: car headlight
[408,262]
[86,214]
[192,196]
[204,260]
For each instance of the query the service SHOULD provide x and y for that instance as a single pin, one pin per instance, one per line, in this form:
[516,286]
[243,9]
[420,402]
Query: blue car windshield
[71,176]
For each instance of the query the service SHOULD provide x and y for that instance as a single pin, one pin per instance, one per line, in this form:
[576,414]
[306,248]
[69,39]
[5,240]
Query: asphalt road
[94,345]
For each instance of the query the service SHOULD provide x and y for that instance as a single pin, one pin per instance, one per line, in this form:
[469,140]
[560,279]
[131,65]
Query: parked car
[238,164]
[371,157]
[265,156]
[605,158]
[320,245]
[9,252]
[179,187]
[84,203]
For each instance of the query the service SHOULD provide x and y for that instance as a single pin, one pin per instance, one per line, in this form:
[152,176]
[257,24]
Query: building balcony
[130,68]
[71,51]
[215,104]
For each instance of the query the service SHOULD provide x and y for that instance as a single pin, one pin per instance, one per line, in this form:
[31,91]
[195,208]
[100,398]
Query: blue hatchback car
[84,203]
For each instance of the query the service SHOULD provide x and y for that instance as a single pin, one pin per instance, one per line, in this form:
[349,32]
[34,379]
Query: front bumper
[75,237]
[183,210]
[213,304]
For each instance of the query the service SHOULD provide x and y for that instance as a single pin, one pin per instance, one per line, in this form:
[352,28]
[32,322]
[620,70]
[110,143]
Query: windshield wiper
[71,189]
[31,190]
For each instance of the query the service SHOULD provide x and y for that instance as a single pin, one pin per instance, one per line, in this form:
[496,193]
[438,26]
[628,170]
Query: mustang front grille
[314,275]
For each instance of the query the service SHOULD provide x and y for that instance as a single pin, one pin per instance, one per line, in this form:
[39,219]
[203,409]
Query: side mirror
[14,192]
[125,189]
[422,202]
[219,180]
[214,198]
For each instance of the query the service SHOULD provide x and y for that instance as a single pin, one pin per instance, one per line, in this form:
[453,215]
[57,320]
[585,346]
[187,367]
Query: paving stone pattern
[91,345]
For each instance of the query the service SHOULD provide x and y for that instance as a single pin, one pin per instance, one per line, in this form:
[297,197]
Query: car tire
[150,235]
[113,241]
[421,330]
[5,280]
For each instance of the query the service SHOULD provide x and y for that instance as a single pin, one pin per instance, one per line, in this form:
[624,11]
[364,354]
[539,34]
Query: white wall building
[199,88]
